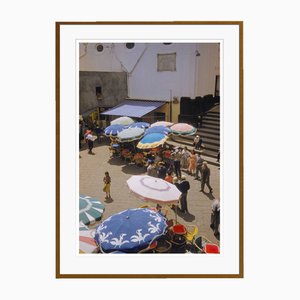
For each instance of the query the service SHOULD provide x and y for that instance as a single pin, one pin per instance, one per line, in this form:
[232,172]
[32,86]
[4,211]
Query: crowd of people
[166,162]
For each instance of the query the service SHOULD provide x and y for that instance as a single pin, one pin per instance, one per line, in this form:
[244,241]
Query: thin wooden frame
[241,155]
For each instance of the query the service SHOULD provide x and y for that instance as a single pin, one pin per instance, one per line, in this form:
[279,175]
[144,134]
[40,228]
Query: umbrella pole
[176,207]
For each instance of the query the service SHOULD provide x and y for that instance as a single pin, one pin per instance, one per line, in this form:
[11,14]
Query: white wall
[194,75]
[208,66]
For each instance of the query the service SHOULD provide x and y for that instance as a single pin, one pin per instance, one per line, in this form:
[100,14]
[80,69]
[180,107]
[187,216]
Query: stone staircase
[210,133]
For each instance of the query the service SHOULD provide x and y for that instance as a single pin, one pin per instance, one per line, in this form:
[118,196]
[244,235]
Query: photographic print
[149,149]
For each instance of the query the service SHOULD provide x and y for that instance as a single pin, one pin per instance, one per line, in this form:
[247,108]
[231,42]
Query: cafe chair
[150,249]
[163,246]
[191,233]
[204,245]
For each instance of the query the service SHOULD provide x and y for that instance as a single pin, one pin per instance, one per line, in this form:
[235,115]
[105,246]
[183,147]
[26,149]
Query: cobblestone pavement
[92,168]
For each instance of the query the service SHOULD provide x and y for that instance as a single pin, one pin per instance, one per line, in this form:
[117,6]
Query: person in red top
[169,177]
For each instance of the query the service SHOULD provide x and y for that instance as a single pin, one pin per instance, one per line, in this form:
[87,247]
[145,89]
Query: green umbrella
[90,209]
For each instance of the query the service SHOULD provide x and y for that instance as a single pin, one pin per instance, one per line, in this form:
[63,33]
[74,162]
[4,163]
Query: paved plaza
[92,168]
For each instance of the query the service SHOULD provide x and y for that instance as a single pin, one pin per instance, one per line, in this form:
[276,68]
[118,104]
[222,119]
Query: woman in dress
[106,188]
[192,162]
[185,154]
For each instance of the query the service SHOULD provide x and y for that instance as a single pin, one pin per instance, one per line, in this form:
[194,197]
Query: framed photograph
[149,149]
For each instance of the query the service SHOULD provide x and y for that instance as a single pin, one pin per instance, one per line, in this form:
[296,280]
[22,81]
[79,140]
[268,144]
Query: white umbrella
[122,121]
[153,189]
[130,134]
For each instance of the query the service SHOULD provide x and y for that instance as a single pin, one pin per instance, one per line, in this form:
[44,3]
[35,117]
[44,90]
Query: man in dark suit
[184,186]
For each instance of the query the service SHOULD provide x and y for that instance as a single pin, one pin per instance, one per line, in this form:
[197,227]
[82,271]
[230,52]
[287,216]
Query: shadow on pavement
[186,216]
[133,170]
[116,161]
[109,200]
[209,195]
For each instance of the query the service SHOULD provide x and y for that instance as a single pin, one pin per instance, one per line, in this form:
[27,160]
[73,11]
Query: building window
[99,92]
[166,62]
[130,45]
[217,86]
[99,47]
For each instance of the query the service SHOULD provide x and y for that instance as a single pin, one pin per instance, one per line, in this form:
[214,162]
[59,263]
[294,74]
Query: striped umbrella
[152,140]
[113,130]
[90,209]
[162,123]
[87,243]
[130,134]
[183,129]
[158,129]
[140,125]
[122,121]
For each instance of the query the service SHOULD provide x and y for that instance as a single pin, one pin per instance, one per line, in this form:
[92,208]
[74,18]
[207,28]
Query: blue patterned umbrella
[152,140]
[90,210]
[130,230]
[113,130]
[158,129]
[140,125]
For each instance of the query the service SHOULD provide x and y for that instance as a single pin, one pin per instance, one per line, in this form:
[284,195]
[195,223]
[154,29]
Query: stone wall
[113,85]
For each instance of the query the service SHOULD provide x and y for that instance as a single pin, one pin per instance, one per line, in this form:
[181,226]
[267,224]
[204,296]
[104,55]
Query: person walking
[192,162]
[90,141]
[106,187]
[205,177]
[184,186]
[215,218]
[199,167]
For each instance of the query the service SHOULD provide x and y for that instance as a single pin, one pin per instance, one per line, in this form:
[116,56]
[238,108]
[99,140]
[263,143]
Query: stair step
[207,139]
[189,142]
[209,126]
[209,131]
[210,157]
[209,121]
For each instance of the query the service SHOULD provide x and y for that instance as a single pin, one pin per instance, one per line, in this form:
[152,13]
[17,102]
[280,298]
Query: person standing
[205,177]
[196,141]
[162,170]
[185,154]
[177,159]
[151,170]
[184,186]
[215,218]
[192,162]
[106,187]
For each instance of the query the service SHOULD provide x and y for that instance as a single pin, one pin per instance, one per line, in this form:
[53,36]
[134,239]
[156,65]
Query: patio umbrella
[122,121]
[152,140]
[183,129]
[162,123]
[158,129]
[113,130]
[87,243]
[90,209]
[143,125]
[130,230]
[156,190]
[130,134]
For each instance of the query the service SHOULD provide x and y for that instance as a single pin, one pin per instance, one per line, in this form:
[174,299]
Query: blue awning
[133,108]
